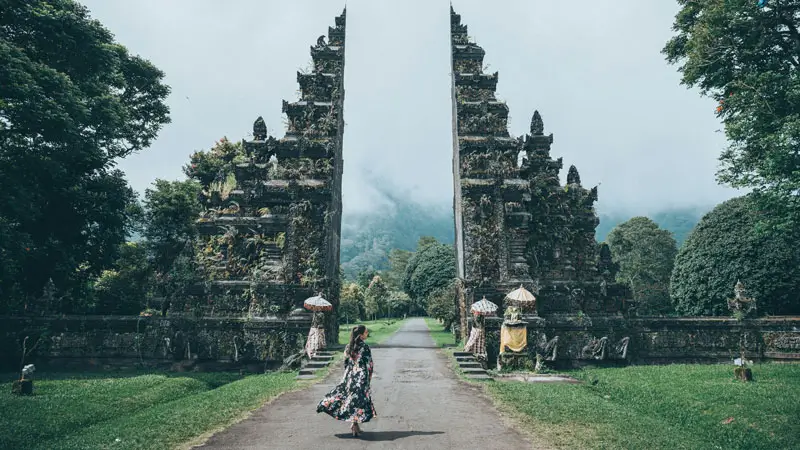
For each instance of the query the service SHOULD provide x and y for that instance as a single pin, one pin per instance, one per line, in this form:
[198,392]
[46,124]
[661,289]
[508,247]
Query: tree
[440,304]
[375,298]
[645,254]
[433,266]
[365,277]
[171,212]
[124,289]
[727,245]
[72,102]
[351,303]
[398,261]
[399,303]
[746,55]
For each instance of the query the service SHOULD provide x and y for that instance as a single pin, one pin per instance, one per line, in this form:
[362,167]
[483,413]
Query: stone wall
[576,340]
[177,343]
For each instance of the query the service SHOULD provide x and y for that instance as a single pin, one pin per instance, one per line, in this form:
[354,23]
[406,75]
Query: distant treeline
[367,238]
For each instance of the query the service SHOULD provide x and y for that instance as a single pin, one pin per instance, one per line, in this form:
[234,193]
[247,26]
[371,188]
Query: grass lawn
[442,337]
[130,411]
[662,407]
[379,330]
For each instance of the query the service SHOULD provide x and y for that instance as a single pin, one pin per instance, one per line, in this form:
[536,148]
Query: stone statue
[259,129]
[573,177]
[741,305]
[321,42]
[595,349]
[537,125]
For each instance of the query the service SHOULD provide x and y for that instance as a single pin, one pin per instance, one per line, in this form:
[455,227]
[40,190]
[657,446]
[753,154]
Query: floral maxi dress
[351,400]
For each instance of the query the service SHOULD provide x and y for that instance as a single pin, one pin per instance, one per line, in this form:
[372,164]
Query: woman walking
[351,400]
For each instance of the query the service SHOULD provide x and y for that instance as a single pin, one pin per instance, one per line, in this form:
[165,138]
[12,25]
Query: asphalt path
[420,402]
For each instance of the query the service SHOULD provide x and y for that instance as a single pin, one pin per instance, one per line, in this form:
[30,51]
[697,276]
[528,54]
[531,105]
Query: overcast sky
[593,69]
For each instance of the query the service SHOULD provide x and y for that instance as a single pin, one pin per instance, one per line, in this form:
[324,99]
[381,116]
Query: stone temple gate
[515,223]
[271,235]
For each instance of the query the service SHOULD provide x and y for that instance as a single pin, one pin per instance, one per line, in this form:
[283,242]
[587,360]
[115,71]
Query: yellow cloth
[516,338]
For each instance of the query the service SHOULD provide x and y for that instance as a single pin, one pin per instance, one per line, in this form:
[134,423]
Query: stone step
[322,358]
[305,377]
[309,370]
[472,370]
[470,365]
[479,376]
[463,354]
[465,358]
[316,365]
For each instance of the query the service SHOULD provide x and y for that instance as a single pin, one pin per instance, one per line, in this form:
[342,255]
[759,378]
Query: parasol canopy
[317,303]
[521,297]
[483,307]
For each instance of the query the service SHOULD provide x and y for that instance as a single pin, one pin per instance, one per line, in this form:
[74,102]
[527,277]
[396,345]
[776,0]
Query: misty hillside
[367,238]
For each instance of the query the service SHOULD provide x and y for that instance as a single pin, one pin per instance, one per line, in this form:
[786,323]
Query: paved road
[419,401]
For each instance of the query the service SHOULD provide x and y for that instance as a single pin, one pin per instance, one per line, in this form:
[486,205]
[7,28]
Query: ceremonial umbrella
[521,297]
[483,307]
[317,303]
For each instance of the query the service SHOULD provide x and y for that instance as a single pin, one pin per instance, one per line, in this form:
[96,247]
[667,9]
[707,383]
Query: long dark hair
[355,336]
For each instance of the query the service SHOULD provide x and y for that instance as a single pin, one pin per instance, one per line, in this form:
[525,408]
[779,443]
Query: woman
[351,400]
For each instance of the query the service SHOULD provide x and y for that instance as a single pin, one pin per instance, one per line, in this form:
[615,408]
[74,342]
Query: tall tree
[124,289]
[432,267]
[351,303]
[398,261]
[171,212]
[645,254]
[72,102]
[375,298]
[746,55]
[727,246]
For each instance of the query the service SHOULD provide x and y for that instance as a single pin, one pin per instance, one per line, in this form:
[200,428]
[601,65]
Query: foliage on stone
[728,245]
[64,122]
[645,255]
[745,56]
[215,165]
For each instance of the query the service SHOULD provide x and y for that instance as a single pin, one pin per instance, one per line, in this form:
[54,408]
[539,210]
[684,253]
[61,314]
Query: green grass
[442,337]
[662,407]
[379,330]
[154,411]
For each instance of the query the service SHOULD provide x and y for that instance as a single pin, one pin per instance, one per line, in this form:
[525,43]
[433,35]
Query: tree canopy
[432,267]
[72,101]
[645,254]
[729,245]
[746,54]
[170,217]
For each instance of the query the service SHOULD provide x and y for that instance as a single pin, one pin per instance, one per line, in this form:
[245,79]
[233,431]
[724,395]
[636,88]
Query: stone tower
[515,223]
[271,231]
